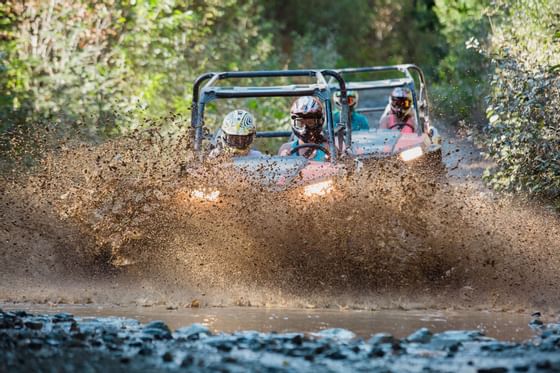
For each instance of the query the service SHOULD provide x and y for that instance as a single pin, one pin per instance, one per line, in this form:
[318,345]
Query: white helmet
[238,129]
[353,98]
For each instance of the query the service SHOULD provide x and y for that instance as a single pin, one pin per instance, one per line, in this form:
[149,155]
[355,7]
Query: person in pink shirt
[399,113]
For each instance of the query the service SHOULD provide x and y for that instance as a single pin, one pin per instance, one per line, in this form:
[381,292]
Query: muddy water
[505,326]
[114,223]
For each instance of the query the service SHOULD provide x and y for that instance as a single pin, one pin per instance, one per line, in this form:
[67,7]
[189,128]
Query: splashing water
[117,223]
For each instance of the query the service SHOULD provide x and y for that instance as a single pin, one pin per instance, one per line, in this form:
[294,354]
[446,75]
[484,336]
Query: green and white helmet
[353,98]
[238,129]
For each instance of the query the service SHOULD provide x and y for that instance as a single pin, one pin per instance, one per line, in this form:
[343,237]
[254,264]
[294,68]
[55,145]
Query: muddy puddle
[505,326]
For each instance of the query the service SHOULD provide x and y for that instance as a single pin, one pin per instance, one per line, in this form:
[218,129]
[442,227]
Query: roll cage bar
[420,98]
[321,89]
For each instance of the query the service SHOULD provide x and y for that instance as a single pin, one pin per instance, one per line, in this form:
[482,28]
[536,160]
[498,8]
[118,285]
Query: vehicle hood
[276,172]
[383,143]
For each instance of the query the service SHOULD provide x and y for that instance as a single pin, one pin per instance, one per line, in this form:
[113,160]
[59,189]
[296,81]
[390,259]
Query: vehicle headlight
[318,189]
[412,154]
[205,194]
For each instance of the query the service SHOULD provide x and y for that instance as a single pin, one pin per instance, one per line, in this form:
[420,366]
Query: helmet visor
[238,141]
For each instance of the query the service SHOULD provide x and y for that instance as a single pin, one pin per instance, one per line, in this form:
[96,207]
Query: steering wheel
[401,125]
[313,146]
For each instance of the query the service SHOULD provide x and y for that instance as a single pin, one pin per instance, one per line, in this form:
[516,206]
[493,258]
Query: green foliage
[460,84]
[523,135]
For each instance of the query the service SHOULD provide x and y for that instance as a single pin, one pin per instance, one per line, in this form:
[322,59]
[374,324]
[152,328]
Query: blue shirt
[320,155]
[359,121]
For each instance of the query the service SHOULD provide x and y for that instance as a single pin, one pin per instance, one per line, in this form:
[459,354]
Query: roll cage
[409,72]
[203,94]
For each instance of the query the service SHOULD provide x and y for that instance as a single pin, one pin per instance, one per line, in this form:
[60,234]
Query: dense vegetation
[107,66]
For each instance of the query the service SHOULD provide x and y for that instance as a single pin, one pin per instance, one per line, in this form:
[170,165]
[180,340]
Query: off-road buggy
[423,146]
[346,150]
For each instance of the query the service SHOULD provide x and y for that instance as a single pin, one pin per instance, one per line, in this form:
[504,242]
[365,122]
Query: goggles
[402,103]
[302,124]
[238,141]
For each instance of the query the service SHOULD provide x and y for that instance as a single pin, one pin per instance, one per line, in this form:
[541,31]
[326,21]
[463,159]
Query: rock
[156,329]
[336,333]
[376,352]
[187,361]
[381,338]
[422,335]
[521,368]
[492,370]
[193,332]
[544,365]
[145,351]
[125,360]
[33,325]
[35,344]
[63,317]
[536,323]
[157,324]
[536,314]
[459,336]
[167,357]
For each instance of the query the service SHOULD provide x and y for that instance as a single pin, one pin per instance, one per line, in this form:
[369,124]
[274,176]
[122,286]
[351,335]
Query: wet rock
[376,352]
[536,323]
[125,360]
[145,351]
[193,332]
[34,325]
[536,314]
[63,317]
[422,335]
[521,368]
[187,361]
[492,370]
[381,338]
[336,333]
[548,365]
[157,324]
[157,329]
[35,344]
[167,357]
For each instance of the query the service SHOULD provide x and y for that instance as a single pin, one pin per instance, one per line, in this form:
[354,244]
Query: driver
[307,120]
[398,114]
[359,121]
[237,133]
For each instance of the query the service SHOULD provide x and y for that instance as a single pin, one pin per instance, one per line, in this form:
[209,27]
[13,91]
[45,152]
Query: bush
[523,132]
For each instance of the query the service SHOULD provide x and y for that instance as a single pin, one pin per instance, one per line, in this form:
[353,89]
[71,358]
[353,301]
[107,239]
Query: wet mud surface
[507,326]
[63,342]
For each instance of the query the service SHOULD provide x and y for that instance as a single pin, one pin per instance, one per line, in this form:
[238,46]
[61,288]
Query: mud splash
[115,223]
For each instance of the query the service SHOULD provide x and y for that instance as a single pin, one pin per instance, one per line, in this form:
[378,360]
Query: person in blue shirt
[307,119]
[359,121]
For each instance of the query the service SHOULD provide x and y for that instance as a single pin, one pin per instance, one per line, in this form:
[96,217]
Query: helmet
[353,98]
[401,102]
[238,129]
[307,118]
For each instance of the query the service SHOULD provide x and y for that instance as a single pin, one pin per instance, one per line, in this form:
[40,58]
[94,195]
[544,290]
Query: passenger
[238,132]
[307,119]
[399,114]
[359,121]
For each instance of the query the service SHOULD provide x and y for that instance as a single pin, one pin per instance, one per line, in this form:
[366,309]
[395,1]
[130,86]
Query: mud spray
[116,223]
